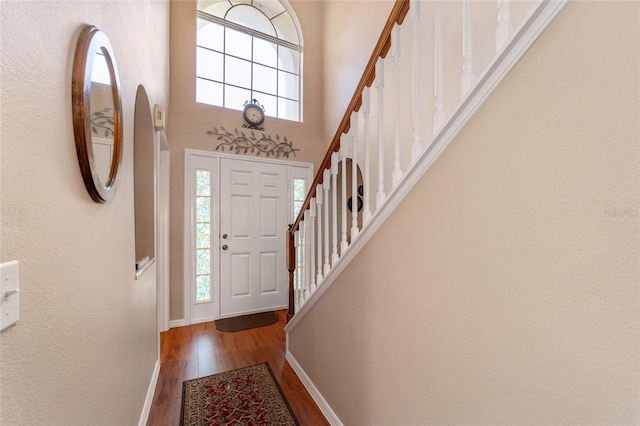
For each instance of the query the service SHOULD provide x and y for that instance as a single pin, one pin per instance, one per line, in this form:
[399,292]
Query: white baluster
[319,233]
[468,76]
[301,265]
[308,271]
[439,116]
[327,221]
[379,82]
[396,50]
[312,251]
[366,109]
[354,175]
[414,14]
[343,154]
[335,157]
[505,26]
[303,262]
[296,276]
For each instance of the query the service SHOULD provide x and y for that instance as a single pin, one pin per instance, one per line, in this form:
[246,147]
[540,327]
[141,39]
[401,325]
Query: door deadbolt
[225,236]
[224,247]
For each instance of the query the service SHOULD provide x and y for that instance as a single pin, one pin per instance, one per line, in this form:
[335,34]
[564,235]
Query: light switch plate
[9,294]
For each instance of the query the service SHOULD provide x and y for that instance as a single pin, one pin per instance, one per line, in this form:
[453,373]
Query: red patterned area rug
[246,396]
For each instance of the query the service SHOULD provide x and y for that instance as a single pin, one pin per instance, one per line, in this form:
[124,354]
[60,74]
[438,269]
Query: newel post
[291,267]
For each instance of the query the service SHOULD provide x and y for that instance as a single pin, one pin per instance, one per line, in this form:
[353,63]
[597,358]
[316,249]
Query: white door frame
[191,157]
[163,160]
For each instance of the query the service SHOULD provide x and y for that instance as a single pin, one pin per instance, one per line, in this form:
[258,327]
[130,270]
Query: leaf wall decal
[241,143]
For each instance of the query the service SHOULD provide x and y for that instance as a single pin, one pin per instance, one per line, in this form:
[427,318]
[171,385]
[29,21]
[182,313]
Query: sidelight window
[203,235]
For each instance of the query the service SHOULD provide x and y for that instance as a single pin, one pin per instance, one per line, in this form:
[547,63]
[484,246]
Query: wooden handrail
[398,13]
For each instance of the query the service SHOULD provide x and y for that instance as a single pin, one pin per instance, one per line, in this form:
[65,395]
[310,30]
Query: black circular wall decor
[350,203]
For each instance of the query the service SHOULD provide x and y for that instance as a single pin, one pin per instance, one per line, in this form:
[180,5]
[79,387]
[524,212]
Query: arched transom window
[249,49]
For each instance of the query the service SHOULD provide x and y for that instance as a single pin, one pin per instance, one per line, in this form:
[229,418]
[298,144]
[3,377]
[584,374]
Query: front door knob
[224,247]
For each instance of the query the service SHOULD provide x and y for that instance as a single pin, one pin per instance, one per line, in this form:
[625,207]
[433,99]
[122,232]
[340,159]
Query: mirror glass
[97,113]
[101,116]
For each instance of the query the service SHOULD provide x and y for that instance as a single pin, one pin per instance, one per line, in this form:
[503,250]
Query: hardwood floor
[201,350]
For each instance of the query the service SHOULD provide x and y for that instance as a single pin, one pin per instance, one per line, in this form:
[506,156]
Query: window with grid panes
[203,236]
[246,50]
[299,194]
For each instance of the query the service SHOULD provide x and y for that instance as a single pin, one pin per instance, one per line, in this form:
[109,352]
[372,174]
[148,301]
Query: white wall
[85,347]
[505,288]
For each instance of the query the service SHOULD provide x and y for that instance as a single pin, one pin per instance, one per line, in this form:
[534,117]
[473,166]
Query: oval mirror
[97,113]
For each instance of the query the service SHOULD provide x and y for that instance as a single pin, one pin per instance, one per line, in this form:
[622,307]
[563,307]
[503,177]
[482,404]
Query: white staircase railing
[405,110]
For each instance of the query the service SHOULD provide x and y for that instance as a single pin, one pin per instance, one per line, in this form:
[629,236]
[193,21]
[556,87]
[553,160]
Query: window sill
[144,268]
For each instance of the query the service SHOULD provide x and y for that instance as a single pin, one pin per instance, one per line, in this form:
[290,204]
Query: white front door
[253,226]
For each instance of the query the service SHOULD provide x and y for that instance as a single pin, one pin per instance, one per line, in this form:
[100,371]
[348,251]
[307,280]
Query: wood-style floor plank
[201,350]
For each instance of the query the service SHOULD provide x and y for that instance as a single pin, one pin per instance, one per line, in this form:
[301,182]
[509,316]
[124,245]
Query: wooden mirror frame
[91,39]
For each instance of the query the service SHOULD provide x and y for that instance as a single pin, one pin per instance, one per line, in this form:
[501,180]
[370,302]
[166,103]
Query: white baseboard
[150,392]
[183,322]
[177,323]
[332,418]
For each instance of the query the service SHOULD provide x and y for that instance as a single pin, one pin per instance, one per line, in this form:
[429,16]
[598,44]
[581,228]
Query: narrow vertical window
[299,193]
[203,236]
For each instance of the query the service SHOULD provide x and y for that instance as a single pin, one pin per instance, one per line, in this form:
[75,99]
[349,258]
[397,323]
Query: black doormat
[246,322]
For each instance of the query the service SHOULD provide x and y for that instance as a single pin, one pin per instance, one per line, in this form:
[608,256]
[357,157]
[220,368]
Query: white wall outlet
[9,294]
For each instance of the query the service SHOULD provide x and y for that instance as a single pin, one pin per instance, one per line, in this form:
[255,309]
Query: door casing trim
[189,156]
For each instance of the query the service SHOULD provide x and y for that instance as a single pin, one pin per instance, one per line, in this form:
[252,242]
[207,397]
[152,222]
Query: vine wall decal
[242,143]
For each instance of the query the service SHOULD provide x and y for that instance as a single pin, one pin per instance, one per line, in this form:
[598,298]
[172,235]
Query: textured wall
[504,289]
[86,344]
[189,121]
[351,30]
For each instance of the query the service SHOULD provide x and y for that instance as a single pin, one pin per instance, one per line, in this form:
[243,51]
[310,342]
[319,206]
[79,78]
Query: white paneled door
[253,225]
